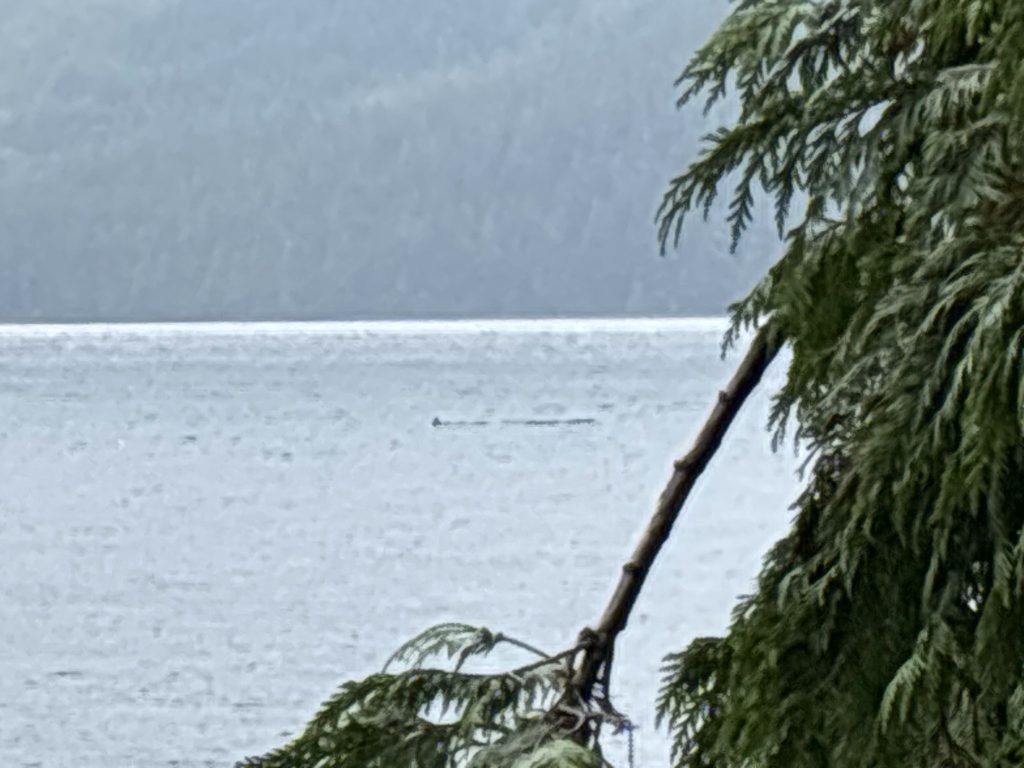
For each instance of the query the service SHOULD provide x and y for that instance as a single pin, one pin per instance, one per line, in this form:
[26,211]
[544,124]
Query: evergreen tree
[887,629]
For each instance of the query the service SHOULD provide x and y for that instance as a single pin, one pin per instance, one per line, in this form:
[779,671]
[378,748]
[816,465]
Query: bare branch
[599,641]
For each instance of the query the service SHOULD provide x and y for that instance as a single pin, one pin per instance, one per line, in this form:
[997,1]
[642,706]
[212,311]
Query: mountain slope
[251,159]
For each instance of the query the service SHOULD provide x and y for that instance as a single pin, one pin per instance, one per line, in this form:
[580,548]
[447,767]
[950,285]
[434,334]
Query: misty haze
[258,159]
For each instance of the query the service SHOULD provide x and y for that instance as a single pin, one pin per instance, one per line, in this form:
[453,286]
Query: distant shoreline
[388,327]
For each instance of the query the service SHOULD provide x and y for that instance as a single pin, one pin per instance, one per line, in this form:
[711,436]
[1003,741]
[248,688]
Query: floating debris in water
[548,422]
[437,422]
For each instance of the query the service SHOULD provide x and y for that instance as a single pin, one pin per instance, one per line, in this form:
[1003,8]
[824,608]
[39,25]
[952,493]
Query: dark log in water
[437,422]
[548,422]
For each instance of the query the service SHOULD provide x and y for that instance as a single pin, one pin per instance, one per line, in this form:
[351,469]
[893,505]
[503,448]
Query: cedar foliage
[434,714]
[887,628]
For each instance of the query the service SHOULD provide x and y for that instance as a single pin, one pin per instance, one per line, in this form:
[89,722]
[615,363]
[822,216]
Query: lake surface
[204,529]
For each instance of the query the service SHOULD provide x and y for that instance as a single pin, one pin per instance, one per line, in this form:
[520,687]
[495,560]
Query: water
[203,529]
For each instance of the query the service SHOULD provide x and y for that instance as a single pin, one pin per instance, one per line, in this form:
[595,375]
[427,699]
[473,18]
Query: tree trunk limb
[599,641]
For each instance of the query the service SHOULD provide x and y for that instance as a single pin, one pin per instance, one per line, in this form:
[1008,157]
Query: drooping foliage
[887,629]
[442,717]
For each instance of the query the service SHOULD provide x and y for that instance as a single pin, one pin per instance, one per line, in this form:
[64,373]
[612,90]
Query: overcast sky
[334,159]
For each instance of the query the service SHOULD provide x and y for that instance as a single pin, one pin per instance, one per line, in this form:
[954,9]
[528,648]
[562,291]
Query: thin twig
[544,662]
[526,647]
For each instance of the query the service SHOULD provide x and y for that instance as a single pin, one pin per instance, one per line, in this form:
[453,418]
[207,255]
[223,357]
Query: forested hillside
[252,159]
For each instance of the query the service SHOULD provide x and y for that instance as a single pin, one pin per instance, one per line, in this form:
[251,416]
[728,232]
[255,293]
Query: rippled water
[203,529]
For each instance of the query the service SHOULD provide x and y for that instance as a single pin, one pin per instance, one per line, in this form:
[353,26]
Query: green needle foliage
[426,717]
[887,629]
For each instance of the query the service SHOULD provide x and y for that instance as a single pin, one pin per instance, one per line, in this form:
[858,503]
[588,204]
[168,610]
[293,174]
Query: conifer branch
[598,642]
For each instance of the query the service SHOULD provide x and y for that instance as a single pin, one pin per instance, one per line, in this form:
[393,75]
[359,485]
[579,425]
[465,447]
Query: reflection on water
[203,530]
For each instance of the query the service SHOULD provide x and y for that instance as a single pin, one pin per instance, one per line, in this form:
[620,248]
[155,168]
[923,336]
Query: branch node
[633,567]
[588,638]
